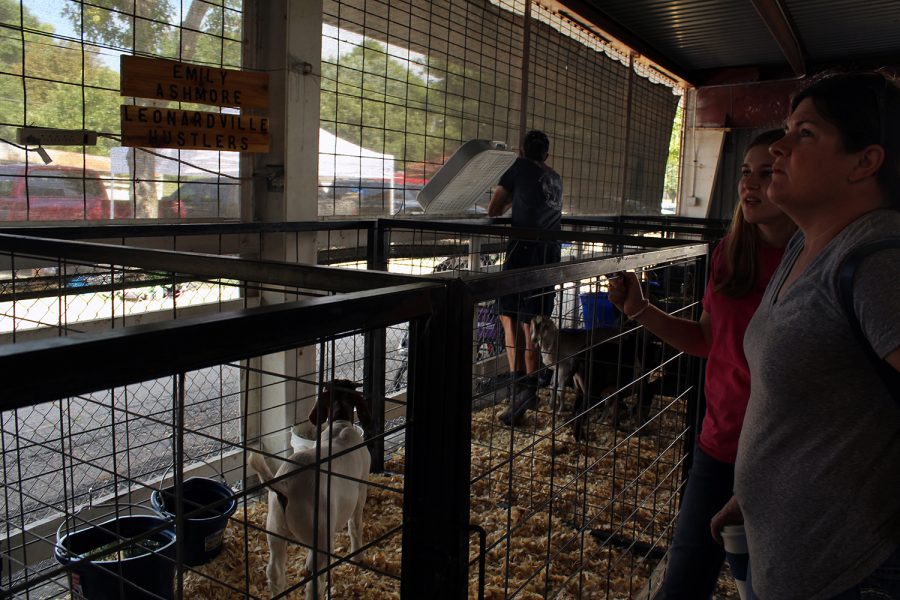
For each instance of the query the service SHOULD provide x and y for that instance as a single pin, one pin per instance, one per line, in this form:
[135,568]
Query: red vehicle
[56,193]
[202,198]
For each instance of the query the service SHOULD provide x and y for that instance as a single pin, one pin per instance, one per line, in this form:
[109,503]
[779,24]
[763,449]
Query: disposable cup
[735,541]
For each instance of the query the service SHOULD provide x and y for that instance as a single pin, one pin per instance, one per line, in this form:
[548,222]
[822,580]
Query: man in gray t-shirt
[818,466]
[534,191]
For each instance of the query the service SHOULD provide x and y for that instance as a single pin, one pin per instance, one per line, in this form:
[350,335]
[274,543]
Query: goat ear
[316,416]
[362,409]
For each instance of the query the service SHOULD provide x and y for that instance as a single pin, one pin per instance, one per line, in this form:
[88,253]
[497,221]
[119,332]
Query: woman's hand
[729,515]
[625,292]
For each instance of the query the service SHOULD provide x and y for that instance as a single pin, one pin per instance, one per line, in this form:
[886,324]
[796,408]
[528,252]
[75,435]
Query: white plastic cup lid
[735,539]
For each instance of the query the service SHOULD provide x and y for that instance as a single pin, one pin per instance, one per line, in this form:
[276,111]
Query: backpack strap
[888,374]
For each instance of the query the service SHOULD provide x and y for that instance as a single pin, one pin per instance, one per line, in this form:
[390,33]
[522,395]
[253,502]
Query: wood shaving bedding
[549,495]
[384,512]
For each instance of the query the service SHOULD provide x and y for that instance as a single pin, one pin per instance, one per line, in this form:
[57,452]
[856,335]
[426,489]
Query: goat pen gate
[578,500]
[96,451]
[452,469]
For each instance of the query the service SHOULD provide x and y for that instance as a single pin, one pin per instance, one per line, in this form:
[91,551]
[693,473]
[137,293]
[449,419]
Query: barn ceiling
[725,41]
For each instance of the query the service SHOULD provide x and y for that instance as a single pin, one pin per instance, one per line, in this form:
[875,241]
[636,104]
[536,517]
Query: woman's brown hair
[742,242]
[865,108]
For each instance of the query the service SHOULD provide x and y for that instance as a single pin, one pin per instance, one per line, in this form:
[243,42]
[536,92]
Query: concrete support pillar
[285,39]
[699,162]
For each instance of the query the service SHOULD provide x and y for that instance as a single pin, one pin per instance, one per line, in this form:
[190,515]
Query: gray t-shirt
[818,464]
[537,193]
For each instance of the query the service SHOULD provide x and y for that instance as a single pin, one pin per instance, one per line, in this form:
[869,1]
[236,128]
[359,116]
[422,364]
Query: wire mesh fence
[130,433]
[62,70]
[404,85]
[56,289]
[577,499]
[580,497]
[49,511]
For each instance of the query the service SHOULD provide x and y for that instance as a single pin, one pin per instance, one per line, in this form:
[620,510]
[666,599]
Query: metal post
[629,98]
[526,73]
[438,439]
[696,399]
[178,479]
[375,353]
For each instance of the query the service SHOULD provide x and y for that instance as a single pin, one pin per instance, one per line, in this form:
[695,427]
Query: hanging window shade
[404,84]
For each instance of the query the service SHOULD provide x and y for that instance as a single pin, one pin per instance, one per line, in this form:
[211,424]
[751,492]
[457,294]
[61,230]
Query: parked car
[56,193]
[203,198]
[406,190]
[355,197]
[370,197]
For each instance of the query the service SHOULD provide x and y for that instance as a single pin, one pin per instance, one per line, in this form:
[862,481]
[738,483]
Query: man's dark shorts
[520,254]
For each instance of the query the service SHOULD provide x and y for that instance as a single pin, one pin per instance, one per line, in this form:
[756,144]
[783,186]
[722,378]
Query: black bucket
[205,529]
[148,574]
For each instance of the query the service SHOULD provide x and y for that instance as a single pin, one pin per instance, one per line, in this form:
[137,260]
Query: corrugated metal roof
[698,34]
[718,34]
[844,30]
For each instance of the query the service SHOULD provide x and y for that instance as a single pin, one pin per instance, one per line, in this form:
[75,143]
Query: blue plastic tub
[204,530]
[146,571]
[598,311]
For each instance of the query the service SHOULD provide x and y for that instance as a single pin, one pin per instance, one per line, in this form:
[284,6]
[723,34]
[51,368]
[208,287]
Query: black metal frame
[436,529]
[143,352]
[122,356]
[444,556]
[206,265]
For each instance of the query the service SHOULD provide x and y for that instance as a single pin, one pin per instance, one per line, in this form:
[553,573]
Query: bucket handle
[203,460]
[90,504]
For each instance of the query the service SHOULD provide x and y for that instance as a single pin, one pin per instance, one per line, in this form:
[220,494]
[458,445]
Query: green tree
[373,100]
[153,34]
[381,103]
[199,38]
[51,95]
[673,163]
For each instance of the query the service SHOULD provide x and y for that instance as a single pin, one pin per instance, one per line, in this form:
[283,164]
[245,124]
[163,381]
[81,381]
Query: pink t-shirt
[727,373]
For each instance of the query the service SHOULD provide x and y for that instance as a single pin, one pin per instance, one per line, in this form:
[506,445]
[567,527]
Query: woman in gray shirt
[818,465]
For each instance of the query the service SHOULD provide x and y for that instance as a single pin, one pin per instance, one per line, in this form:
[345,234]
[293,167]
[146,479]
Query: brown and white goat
[341,487]
[563,351]
[595,363]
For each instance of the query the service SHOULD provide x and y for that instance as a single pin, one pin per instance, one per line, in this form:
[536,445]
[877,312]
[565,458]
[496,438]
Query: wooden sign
[183,82]
[155,127]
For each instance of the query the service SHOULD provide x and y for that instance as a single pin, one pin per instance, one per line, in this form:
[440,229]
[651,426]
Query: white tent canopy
[337,158]
[341,159]
[171,162]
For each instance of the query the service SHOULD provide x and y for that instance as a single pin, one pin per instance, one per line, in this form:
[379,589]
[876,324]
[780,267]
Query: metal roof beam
[781,28]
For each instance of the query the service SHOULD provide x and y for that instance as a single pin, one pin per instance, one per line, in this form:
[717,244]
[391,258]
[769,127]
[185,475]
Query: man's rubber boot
[525,398]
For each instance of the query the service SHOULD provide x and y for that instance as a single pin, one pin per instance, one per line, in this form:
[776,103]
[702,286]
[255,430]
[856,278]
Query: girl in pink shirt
[742,265]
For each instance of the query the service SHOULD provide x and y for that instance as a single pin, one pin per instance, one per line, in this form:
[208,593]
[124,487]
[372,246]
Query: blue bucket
[598,311]
[212,503]
[148,573]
